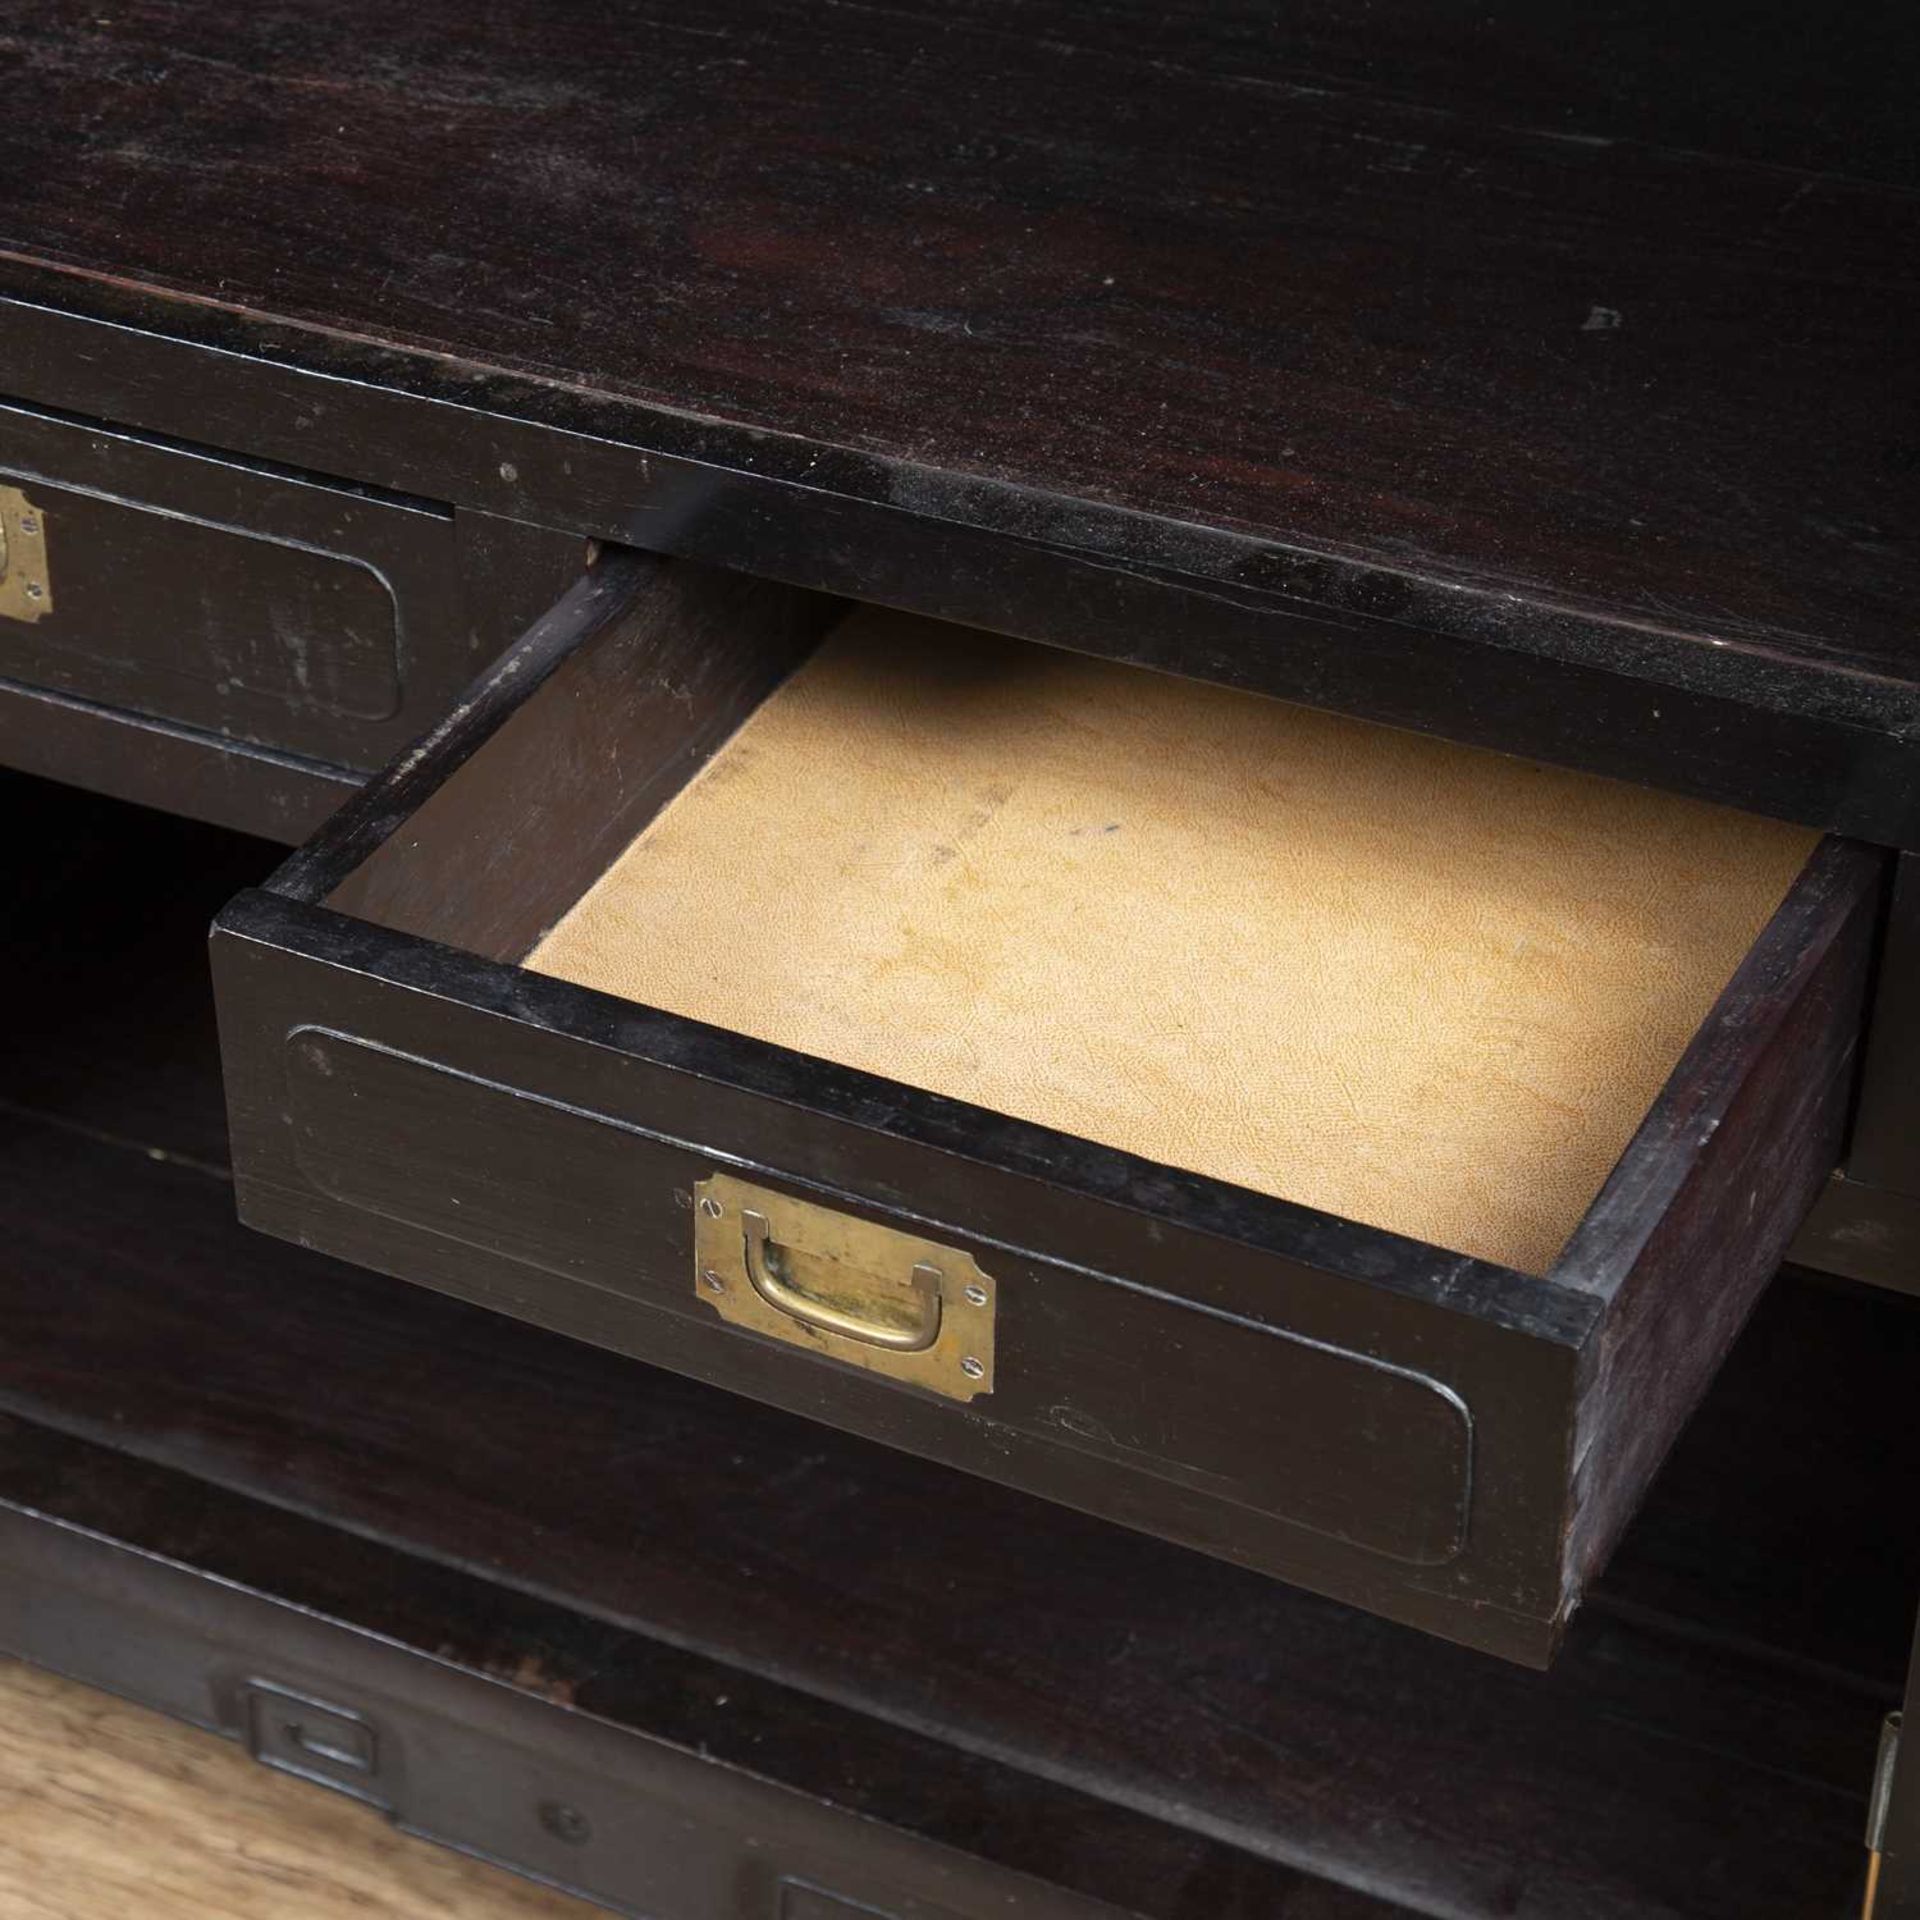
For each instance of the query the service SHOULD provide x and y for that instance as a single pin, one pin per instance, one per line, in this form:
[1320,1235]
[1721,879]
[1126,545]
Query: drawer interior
[1428,988]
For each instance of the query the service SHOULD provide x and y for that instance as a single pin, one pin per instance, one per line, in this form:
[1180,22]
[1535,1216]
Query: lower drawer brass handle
[844,1286]
[766,1263]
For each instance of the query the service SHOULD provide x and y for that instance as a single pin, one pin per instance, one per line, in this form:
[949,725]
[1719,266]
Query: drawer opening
[1422,986]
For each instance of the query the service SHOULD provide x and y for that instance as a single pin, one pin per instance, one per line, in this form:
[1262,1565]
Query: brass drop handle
[763,1260]
[844,1287]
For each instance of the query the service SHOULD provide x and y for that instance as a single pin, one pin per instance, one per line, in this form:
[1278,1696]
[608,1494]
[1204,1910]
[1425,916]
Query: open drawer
[1332,1149]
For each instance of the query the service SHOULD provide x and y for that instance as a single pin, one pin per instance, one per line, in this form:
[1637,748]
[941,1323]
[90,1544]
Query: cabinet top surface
[1599,313]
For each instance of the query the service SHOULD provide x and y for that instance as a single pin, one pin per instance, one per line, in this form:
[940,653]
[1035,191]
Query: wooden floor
[107,1809]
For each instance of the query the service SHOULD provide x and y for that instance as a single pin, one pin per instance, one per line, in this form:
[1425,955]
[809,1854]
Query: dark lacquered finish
[1450,1442]
[239,641]
[1866,1233]
[1866,1224]
[237,600]
[972,1671]
[526,1734]
[1886,1135]
[1492,376]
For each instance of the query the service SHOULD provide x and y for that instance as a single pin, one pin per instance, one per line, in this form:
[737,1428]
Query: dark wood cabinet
[748,1650]
[447,443]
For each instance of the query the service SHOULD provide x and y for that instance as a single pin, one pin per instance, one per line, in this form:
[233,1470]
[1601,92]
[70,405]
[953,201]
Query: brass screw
[712,1208]
[714,1281]
[972,1368]
[976,1295]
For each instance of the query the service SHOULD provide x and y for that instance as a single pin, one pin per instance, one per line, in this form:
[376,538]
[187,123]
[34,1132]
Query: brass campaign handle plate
[872,1296]
[26,589]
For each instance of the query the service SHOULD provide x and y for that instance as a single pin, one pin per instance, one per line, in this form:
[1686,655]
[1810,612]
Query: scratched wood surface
[1592,308]
[106,1808]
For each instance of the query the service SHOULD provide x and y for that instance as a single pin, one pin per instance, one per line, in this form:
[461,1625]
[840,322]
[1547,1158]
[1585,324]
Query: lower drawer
[249,607]
[1344,1153]
[452,1712]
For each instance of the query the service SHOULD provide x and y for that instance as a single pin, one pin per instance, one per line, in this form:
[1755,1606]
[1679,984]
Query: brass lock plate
[856,1291]
[26,591]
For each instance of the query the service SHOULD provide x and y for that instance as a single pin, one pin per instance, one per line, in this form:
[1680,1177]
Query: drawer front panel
[1348,1445]
[625,1819]
[195,588]
[276,620]
[1393,1452]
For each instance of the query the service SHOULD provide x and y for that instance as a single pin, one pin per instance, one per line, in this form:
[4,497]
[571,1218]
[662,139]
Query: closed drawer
[1334,1150]
[252,604]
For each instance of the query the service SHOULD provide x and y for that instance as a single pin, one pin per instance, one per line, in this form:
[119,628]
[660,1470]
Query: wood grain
[108,1808]
[653,665]
[1170,269]
[1413,325]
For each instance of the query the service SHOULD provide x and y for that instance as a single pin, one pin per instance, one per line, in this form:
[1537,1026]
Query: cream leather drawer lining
[1431,989]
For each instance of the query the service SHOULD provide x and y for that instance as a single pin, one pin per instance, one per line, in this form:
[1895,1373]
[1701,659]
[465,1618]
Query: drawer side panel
[1757,1116]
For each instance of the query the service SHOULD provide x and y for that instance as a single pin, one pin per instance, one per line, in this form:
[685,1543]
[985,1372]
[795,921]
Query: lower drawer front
[1416,1428]
[464,1743]
[254,605]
